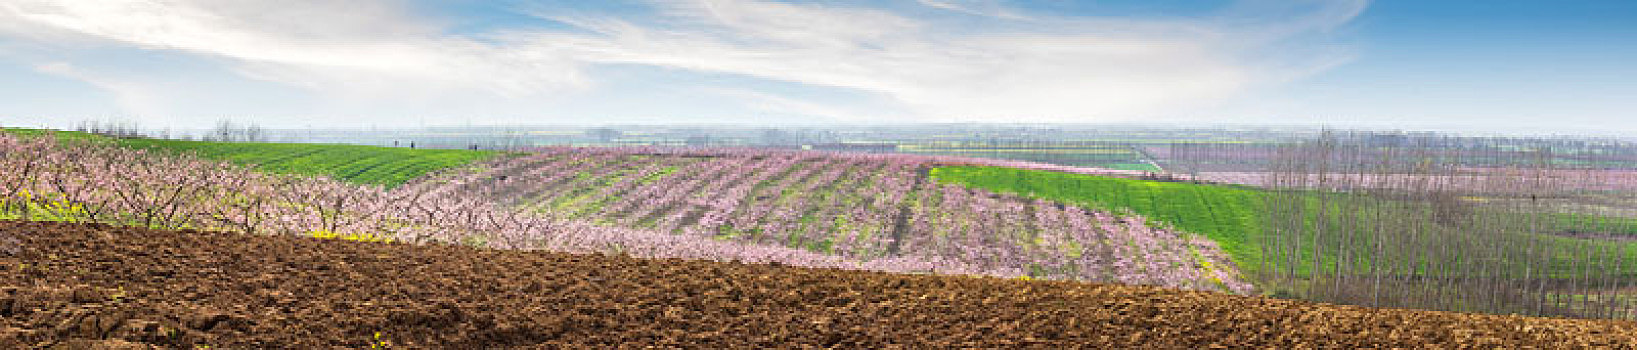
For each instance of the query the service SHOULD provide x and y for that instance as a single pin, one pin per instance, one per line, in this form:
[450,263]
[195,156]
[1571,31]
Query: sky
[1490,65]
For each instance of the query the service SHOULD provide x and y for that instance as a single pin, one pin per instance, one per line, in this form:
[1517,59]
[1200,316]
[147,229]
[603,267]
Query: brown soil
[89,286]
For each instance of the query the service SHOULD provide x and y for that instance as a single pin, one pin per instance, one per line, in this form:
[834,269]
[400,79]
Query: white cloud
[358,48]
[1019,67]
[980,8]
[1062,69]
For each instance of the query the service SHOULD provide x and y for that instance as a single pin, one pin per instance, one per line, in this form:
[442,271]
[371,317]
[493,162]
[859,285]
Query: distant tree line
[118,129]
[228,131]
[225,131]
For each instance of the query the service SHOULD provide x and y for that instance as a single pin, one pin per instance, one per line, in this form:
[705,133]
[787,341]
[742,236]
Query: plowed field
[84,286]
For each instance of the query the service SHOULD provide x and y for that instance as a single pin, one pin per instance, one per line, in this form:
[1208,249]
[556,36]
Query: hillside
[863,207]
[893,213]
[817,220]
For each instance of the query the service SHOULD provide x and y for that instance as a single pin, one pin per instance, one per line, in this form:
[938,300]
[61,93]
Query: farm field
[1478,155]
[806,174]
[385,166]
[82,286]
[1477,181]
[1238,218]
[826,216]
[1229,215]
[1100,154]
[110,184]
[884,212]
[858,206]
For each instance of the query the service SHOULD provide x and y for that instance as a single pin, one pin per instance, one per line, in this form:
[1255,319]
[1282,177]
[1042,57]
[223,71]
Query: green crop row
[374,165]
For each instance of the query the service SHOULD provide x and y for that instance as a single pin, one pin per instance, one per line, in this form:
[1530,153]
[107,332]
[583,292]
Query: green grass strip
[372,165]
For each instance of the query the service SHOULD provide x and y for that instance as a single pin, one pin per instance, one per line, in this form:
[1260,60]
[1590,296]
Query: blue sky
[1488,66]
[1563,66]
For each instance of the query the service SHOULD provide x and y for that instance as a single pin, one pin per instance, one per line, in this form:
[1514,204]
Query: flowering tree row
[861,207]
[45,180]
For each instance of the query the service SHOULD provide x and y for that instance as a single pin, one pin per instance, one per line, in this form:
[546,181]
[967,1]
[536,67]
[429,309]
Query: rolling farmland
[799,208]
[109,184]
[1335,237]
[859,206]
[810,174]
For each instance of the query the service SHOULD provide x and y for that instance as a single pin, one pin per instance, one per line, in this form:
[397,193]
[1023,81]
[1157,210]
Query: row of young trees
[114,129]
[1503,226]
[93,182]
[225,131]
[229,131]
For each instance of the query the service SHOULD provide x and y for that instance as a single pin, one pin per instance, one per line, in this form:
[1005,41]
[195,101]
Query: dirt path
[83,285]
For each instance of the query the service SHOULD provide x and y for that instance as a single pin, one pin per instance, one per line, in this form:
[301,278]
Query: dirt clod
[10,245]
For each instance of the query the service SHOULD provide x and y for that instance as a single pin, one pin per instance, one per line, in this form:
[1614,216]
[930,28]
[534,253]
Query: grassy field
[1229,215]
[386,166]
[1237,217]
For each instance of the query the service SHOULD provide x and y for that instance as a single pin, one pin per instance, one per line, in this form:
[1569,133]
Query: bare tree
[254,133]
[229,131]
